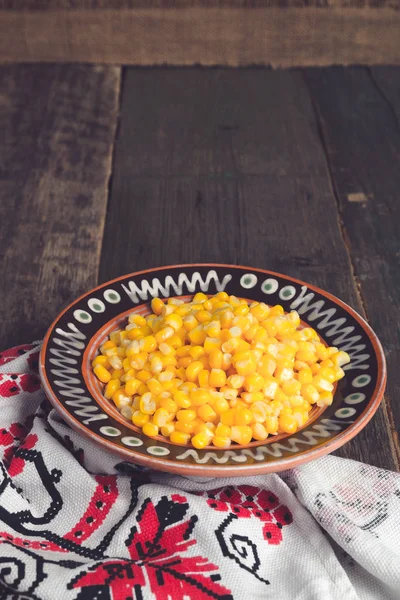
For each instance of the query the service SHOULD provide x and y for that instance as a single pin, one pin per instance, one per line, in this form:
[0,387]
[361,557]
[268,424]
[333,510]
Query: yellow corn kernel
[244,362]
[259,432]
[186,415]
[296,401]
[183,351]
[143,389]
[107,346]
[181,374]
[244,416]
[226,319]
[203,316]
[167,429]
[150,429]
[143,376]
[182,399]
[198,397]
[185,426]
[271,425]
[139,360]
[157,305]
[200,440]
[309,393]
[220,405]
[117,373]
[306,356]
[101,360]
[340,359]
[204,360]
[228,417]
[325,399]
[260,311]
[174,321]
[305,375]
[213,329]
[112,386]
[148,404]
[132,386]
[197,335]
[139,418]
[327,373]
[253,382]
[154,386]
[251,397]
[222,430]
[206,413]
[179,437]
[217,378]
[315,368]
[199,298]
[102,374]
[148,343]
[221,442]
[203,377]
[288,423]
[339,373]
[193,370]
[170,405]
[291,387]
[126,363]
[189,322]
[160,417]
[241,434]
[211,344]
[184,362]
[164,334]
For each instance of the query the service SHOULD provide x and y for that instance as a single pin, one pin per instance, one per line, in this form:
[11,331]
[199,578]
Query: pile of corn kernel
[217,370]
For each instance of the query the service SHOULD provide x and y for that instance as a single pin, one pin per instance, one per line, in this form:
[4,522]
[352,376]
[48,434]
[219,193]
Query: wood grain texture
[119,4]
[227,166]
[57,125]
[359,119]
[295,36]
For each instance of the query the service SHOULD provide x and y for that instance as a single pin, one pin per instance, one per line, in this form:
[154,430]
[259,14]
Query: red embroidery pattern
[245,501]
[100,505]
[156,547]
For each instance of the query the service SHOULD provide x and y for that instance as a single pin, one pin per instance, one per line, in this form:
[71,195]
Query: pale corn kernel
[115,362]
[156,365]
[241,434]
[259,412]
[127,412]
[339,359]
[271,424]
[253,382]
[270,388]
[251,397]
[259,432]
[235,381]
[167,429]
[309,393]
[322,385]
[102,374]
[148,404]
[325,399]
[229,393]
[162,335]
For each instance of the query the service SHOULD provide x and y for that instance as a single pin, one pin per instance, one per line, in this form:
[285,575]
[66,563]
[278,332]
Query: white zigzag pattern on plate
[70,345]
[292,444]
[156,288]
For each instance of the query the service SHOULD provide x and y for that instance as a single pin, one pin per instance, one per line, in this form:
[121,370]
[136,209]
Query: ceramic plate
[74,338]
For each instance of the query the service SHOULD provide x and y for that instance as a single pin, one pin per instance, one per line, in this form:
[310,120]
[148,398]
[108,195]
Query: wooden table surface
[105,171]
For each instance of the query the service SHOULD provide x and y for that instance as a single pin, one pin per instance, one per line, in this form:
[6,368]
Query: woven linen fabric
[79,523]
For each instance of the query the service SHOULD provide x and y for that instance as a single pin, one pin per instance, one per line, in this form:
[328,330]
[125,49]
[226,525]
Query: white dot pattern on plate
[270,286]
[248,280]
[82,316]
[344,413]
[361,380]
[355,398]
[130,440]
[112,296]
[96,305]
[110,431]
[158,450]
[287,292]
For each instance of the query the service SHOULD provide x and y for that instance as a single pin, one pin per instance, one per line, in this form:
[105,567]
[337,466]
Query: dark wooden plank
[270,32]
[227,166]
[57,125]
[360,128]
